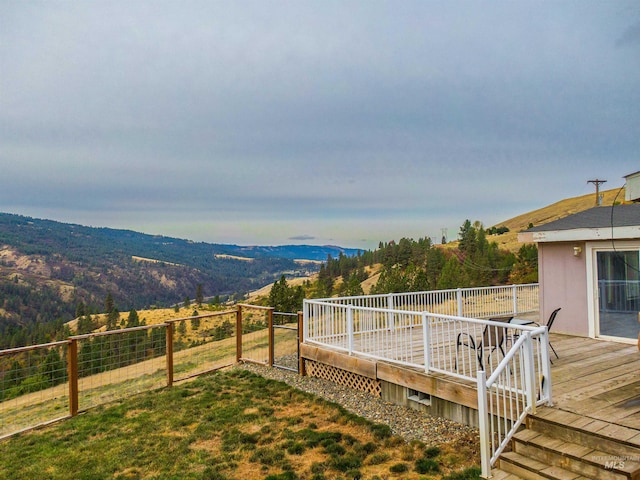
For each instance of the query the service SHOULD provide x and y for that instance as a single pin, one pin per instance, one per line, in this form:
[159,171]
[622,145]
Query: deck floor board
[597,379]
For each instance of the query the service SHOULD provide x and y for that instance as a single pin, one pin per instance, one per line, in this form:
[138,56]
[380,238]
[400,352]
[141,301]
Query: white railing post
[390,315]
[545,355]
[459,298]
[350,327]
[426,337]
[529,373]
[514,291]
[483,425]
[305,320]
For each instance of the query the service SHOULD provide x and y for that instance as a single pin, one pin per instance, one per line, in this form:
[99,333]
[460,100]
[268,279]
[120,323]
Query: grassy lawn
[229,425]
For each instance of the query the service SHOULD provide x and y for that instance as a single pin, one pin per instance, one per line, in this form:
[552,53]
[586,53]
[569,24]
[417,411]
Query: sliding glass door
[618,293]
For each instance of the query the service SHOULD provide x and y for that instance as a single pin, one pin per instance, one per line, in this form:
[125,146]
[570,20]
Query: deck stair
[566,446]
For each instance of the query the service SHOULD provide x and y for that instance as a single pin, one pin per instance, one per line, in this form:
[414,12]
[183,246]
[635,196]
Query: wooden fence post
[271,337]
[301,365]
[72,371]
[238,334]
[169,350]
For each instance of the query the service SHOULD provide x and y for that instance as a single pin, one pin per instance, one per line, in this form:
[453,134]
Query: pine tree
[133,320]
[451,276]
[52,369]
[199,295]
[109,304]
[81,309]
[195,321]
[182,328]
[112,312]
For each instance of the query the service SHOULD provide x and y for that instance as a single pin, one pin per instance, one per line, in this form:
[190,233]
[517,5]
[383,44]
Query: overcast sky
[319,122]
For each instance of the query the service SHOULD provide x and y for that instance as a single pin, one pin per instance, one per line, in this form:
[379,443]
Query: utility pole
[597,183]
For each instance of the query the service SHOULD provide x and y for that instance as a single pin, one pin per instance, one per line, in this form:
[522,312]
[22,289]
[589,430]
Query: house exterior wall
[632,189]
[563,283]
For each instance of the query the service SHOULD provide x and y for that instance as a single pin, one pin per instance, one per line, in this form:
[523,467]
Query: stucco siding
[563,283]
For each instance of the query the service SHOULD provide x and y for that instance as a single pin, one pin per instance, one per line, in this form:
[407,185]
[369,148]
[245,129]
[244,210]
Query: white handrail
[512,386]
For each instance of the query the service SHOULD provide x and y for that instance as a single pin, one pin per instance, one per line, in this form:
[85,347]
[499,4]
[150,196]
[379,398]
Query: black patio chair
[492,339]
[552,319]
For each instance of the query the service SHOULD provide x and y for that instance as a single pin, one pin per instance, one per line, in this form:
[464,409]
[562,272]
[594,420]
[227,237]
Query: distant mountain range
[47,267]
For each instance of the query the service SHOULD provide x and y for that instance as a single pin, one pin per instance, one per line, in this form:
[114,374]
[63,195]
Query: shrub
[333,448]
[212,474]
[406,453]
[431,452]
[283,476]
[399,468]
[380,431]
[318,468]
[354,473]
[378,458]
[267,456]
[471,473]
[346,462]
[296,448]
[427,465]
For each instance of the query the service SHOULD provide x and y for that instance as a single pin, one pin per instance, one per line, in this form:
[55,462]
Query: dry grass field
[555,211]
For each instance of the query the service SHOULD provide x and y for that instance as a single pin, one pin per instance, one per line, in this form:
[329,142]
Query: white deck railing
[418,330]
[482,302]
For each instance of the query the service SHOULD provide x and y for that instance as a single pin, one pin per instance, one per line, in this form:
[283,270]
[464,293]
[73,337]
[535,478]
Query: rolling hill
[555,211]
[48,267]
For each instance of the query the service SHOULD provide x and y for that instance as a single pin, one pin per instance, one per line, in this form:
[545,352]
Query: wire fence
[286,340]
[204,343]
[34,386]
[45,383]
[256,330]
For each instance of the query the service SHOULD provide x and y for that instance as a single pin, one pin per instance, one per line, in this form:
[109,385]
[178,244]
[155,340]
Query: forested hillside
[416,265]
[47,268]
[410,265]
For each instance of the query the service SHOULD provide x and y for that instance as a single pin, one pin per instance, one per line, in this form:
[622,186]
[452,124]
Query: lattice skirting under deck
[342,377]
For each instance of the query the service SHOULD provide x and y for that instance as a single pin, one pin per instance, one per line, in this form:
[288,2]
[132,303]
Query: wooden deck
[597,379]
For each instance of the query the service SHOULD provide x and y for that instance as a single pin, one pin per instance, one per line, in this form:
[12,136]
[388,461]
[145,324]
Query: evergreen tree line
[411,266]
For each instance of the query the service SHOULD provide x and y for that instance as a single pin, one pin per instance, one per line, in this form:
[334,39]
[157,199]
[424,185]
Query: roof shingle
[597,217]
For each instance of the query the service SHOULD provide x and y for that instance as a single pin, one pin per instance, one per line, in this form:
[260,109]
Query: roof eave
[581,234]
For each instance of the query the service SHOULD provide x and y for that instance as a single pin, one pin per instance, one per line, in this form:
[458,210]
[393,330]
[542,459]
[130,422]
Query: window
[420,397]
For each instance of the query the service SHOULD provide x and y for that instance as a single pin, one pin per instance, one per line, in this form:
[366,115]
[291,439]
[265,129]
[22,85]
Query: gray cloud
[237,121]
[302,238]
